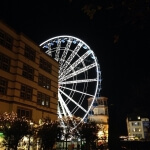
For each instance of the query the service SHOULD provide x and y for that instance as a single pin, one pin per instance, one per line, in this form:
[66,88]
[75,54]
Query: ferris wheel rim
[61,36]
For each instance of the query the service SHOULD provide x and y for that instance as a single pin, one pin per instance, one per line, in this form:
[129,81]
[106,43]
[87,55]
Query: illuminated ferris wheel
[79,74]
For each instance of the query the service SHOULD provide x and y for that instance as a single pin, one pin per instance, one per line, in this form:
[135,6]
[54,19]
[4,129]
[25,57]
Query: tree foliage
[13,128]
[75,127]
[49,132]
[89,132]
[132,9]
[116,17]
[70,124]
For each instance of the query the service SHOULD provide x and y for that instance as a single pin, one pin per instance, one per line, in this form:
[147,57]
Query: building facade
[100,116]
[137,127]
[28,77]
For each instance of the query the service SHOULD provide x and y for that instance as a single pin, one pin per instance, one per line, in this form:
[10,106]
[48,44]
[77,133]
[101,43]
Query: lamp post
[31,124]
[37,144]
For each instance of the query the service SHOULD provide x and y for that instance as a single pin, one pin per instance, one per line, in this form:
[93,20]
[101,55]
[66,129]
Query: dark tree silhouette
[49,132]
[116,14]
[88,131]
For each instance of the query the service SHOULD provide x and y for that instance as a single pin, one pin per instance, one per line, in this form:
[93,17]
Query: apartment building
[138,127]
[28,77]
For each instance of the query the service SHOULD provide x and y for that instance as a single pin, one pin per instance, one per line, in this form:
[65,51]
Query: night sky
[120,40]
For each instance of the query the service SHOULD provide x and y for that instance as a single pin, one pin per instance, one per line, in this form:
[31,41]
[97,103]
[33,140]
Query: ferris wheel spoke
[64,106]
[57,49]
[78,72]
[78,61]
[63,57]
[59,112]
[72,100]
[76,91]
[68,61]
[78,81]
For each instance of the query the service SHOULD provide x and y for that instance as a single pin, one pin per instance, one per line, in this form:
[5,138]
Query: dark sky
[120,42]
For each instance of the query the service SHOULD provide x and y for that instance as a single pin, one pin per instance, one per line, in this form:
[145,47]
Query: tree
[13,128]
[75,127]
[49,132]
[117,14]
[88,131]
[70,124]
[70,127]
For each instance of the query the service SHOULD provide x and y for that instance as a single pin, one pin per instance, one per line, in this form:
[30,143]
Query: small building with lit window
[28,77]
[99,114]
[137,127]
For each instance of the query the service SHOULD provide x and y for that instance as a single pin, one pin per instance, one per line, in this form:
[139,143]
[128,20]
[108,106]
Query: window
[95,111]
[3,86]
[28,72]
[136,123]
[101,102]
[4,62]
[105,103]
[2,38]
[43,99]
[29,53]
[6,40]
[106,111]
[26,92]
[44,81]
[138,135]
[45,65]
[21,112]
[136,130]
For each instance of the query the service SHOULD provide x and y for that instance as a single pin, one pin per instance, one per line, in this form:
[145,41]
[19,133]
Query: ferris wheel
[79,74]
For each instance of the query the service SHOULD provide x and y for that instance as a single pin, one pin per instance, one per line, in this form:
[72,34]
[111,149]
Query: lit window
[44,81]
[43,99]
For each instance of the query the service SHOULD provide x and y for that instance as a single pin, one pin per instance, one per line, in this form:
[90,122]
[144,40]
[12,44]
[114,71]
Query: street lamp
[31,124]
